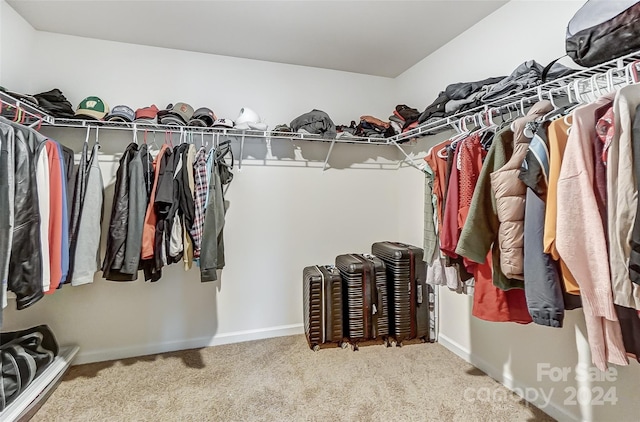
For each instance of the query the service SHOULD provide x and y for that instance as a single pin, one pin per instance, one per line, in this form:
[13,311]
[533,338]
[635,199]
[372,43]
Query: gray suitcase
[322,298]
[410,297]
[364,292]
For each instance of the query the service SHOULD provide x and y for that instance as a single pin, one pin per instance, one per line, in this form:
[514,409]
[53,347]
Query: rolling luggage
[364,295]
[410,297]
[322,298]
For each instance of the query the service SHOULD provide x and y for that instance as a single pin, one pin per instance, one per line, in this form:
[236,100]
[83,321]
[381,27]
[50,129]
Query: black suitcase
[410,297]
[364,296]
[322,298]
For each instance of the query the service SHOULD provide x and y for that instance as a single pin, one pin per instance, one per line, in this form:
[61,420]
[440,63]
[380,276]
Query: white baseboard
[553,409]
[171,346]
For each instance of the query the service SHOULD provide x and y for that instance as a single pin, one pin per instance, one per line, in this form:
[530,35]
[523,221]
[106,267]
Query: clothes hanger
[135,134]
[86,138]
[631,71]
[555,112]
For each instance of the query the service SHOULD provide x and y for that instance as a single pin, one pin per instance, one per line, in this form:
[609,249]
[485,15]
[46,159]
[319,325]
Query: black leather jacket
[25,264]
[114,257]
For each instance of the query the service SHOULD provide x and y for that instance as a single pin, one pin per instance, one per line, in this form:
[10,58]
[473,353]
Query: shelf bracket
[241,151]
[408,159]
[326,160]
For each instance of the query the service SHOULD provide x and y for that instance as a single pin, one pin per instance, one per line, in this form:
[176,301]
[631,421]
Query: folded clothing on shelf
[315,122]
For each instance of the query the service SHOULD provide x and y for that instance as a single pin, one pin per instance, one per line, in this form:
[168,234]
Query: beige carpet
[280,379]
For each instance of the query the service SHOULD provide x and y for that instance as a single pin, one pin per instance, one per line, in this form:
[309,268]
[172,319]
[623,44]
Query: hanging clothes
[542,287]
[212,248]
[64,239]
[580,238]
[509,192]
[42,186]
[430,240]
[558,133]
[490,303]
[114,258]
[438,272]
[24,276]
[472,155]
[56,216]
[187,204]
[87,253]
[7,188]
[76,208]
[138,202]
[449,234]
[480,232]
[622,198]
[200,197]
[163,208]
[152,272]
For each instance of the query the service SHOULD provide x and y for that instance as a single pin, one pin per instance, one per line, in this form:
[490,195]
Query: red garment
[471,157]
[150,218]
[450,231]
[437,160]
[493,304]
[55,215]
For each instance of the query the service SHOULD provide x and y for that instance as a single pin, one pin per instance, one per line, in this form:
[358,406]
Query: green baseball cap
[92,107]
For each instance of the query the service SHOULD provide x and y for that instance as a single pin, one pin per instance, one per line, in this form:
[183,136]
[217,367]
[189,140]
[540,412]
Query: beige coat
[510,192]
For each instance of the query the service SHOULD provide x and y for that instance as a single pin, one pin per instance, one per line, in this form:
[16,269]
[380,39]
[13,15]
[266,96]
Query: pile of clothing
[315,122]
[403,119]
[52,102]
[464,96]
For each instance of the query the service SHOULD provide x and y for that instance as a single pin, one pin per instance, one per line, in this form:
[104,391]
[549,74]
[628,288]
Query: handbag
[603,30]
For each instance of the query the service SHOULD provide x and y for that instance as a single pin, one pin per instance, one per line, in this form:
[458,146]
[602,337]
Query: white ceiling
[382,38]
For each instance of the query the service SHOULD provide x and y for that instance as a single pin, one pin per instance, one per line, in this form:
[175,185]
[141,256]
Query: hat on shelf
[93,108]
[176,114]
[203,117]
[121,113]
[172,120]
[147,114]
[223,123]
[249,119]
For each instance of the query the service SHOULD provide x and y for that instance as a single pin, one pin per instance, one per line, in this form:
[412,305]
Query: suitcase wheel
[393,343]
[344,344]
[355,348]
[316,347]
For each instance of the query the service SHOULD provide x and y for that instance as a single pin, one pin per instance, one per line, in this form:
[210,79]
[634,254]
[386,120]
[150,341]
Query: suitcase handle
[378,300]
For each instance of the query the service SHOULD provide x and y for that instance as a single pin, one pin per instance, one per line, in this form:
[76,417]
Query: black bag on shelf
[603,30]
[23,356]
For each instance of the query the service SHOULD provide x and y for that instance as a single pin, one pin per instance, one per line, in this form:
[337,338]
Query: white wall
[519,31]
[16,45]
[284,213]
[139,75]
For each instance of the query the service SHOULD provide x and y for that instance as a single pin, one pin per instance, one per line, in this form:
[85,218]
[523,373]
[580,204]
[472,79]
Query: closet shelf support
[408,159]
[326,160]
[241,152]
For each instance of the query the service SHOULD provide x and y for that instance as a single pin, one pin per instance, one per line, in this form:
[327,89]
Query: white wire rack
[623,70]
[595,80]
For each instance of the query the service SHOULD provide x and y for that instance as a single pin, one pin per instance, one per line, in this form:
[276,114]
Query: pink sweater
[581,242]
